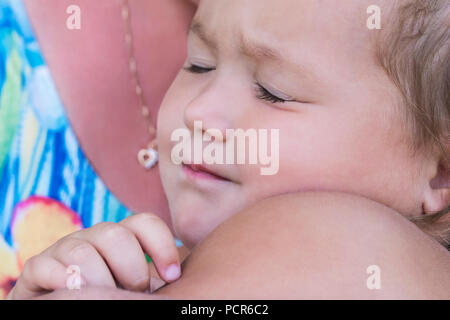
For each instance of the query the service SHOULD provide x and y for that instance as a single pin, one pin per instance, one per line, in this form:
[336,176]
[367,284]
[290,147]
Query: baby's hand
[106,254]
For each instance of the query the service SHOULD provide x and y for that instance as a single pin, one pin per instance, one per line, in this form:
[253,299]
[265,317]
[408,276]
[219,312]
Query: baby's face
[339,130]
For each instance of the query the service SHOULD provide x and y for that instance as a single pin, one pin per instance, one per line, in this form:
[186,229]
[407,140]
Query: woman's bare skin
[310,246]
[306,246]
[90,69]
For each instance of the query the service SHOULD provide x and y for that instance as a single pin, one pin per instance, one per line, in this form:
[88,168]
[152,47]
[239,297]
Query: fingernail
[173,272]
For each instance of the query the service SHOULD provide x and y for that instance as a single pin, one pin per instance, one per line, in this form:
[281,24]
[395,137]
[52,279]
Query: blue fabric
[39,153]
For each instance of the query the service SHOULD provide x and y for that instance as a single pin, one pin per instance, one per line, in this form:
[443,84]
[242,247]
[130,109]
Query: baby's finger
[122,252]
[157,240]
[72,251]
[40,274]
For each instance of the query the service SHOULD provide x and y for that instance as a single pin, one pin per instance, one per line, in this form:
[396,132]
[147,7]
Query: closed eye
[198,69]
[264,94]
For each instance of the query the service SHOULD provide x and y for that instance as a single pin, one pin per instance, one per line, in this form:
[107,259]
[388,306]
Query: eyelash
[197,69]
[262,93]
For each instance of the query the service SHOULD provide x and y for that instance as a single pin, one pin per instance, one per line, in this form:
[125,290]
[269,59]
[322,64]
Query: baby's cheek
[315,157]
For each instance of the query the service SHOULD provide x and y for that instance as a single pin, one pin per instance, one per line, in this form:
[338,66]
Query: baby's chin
[190,237]
[192,226]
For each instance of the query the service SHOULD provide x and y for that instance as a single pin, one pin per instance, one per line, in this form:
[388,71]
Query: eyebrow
[198,29]
[246,46]
[250,49]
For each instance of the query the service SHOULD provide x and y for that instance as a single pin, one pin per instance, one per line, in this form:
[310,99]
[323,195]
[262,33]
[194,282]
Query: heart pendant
[148,158]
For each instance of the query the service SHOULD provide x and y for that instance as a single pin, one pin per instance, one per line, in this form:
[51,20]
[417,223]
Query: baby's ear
[437,194]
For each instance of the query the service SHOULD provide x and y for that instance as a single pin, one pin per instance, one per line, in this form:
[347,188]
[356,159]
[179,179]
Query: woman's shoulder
[317,245]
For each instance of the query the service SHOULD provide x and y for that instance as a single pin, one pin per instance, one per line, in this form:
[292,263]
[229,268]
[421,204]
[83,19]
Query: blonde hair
[414,49]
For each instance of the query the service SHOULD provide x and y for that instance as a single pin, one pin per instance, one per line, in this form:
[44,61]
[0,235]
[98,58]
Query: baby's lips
[39,222]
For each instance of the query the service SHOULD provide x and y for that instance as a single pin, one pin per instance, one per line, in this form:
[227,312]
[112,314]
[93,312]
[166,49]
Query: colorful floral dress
[47,186]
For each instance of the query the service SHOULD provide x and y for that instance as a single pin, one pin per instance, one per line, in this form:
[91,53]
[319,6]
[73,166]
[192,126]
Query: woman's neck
[90,70]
